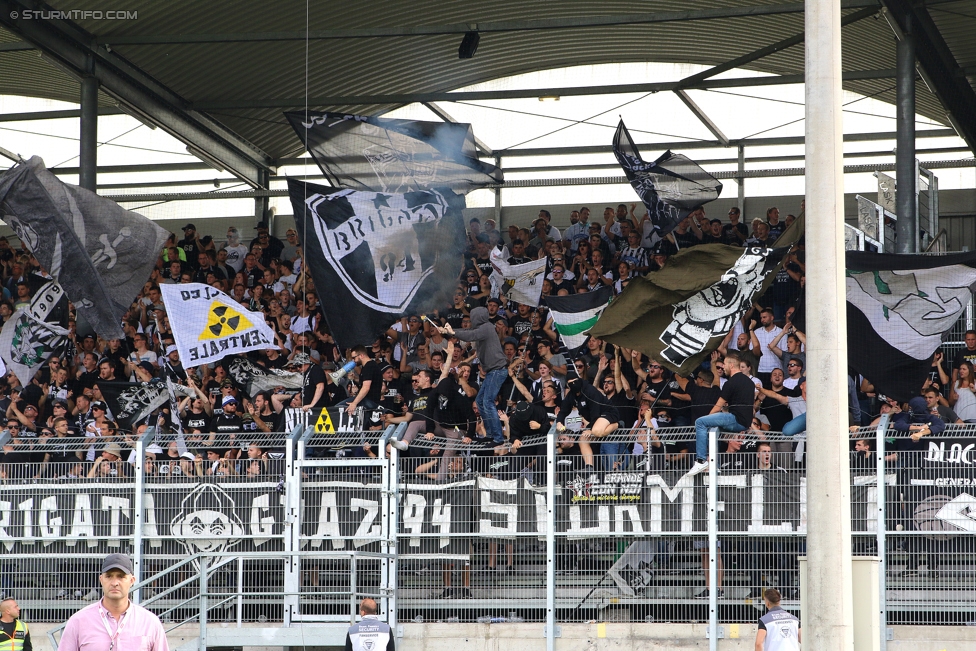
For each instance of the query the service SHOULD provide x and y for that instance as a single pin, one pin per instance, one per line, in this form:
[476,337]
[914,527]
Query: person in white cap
[114,623]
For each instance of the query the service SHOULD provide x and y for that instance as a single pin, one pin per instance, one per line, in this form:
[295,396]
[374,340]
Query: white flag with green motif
[574,315]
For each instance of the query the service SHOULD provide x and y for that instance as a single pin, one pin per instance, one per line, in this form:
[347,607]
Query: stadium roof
[217,75]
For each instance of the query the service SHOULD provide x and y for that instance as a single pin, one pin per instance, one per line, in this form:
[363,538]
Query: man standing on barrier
[114,623]
[370,634]
[14,634]
[482,333]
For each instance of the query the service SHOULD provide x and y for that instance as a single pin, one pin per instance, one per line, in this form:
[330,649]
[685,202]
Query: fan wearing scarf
[114,623]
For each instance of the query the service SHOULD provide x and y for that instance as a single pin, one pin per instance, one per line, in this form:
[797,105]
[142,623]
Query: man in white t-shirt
[235,250]
[766,331]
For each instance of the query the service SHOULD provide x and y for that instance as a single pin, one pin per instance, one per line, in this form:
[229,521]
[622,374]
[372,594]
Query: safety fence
[297,527]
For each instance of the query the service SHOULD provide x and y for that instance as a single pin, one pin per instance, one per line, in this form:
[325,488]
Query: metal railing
[531,534]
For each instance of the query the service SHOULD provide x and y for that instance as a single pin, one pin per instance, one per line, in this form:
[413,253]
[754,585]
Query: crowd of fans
[608,403]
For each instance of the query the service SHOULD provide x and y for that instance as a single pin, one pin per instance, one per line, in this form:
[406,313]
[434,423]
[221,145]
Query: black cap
[189,226]
[117,562]
[262,226]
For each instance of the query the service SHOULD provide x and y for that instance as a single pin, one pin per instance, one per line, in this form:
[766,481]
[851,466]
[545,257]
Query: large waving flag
[672,187]
[394,156]
[898,309]
[378,255]
[574,315]
[208,324]
[101,253]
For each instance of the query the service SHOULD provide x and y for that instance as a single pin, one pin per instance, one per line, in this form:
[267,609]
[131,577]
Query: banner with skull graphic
[101,253]
[379,255]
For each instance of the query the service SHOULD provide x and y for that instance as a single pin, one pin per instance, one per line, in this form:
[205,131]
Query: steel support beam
[939,67]
[449,96]
[906,177]
[714,144]
[702,117]
[55,115]
[444,115]
[71,47]
[762,52]
[88,142]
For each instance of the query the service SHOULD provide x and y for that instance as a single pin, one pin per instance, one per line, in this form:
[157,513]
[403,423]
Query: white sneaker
[402,446]
[700,466]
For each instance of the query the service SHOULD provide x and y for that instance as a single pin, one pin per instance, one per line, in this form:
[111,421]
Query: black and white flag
[254,378]
[672,187]
[898,308]
[378,255]
[101,253]
[131,403]
[395,156]
[27,339]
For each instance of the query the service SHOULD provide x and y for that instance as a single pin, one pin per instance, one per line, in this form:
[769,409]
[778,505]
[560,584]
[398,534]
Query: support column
[828,622]
[88,149]
[740,179]
[905,172]
[261,203]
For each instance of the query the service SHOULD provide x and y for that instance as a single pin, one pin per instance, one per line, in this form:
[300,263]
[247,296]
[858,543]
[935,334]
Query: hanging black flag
[898,308]
[377,256]
[672,187]
[395,156]
[100,253]
[131,403]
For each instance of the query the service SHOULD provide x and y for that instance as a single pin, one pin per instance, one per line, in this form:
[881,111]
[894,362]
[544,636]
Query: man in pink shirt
[114,623]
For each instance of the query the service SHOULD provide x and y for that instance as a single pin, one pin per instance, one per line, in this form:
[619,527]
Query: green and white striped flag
[575,314]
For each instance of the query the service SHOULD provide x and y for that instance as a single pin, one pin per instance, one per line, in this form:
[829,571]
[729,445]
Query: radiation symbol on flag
[223,321]
[324,424]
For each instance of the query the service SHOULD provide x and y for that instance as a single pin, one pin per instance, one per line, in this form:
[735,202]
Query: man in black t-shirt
[313,386]
[370,382]
[702,395]
[739,395]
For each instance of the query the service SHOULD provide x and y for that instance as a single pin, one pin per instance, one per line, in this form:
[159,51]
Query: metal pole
[204,568]
[906,175]
[712,497]
[88,148]
[740,179]
[139,517]
[261,203]
[551,540]
[829,624]
[498,198]
[293,526]
[393,540]
[882,528]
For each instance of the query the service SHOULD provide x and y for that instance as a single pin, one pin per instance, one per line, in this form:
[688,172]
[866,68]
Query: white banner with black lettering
[208,324]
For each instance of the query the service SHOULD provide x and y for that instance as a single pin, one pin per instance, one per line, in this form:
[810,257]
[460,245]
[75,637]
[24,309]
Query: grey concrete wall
[590,637]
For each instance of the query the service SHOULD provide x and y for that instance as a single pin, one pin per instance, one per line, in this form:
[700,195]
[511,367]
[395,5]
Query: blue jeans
[613,452]
[795,426]
[724,421]
[485,400]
